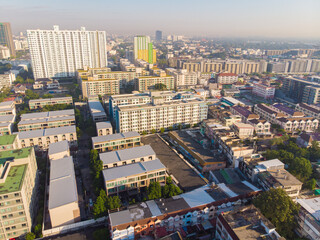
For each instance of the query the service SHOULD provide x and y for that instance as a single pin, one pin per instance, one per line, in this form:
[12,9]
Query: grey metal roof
[116,136]
[58,147]
[7,118]
[103,125]
[46,120]
[120,217]
[6,104]
[47,132]
[126,154]
[49,99]
[62,186]
[131,169]
[95,106]
[50,114]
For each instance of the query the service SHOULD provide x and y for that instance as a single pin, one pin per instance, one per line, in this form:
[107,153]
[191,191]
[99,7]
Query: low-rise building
[263,90]
[226,78]
[245,222]
[44,120]
[261,127]
[116,141]
[308,124]
[6,124]
[127,156]
[243,130]
[286,110]
[6,80]
[97,111]
[8,108]
[308,110]
[63,195]
[41,139]
[58,150]
[231,119]
[133,176]
[9,142]
[199,207]
[306,139]
[309,218]
[99,86]
[40,103]
[268,113]
[103,128]
[18,194]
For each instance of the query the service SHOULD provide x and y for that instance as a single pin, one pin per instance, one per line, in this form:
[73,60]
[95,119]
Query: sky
[203,18]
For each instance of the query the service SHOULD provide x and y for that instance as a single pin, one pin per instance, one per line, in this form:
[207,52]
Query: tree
[162,130]
[99,207]
[160,86]
[101,234]
[311,184]
[301,168]
[144,132]
[38,230]
[153,131]
[170,128]
[30,236]
[314,151]
[278,207]
[113,202]
[48,95]
[154,190]
[31,95]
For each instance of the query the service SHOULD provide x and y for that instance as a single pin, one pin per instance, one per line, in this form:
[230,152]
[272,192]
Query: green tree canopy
[30,236]
[278,207]
[301,168]
[154,191]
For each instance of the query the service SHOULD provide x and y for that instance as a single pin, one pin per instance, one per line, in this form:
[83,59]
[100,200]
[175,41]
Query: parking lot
[188,178]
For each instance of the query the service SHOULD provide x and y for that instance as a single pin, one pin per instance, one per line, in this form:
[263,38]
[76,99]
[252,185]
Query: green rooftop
[7,139]
[14,179]
[17,153]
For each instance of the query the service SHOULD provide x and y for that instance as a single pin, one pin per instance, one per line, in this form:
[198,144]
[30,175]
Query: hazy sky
[214,18]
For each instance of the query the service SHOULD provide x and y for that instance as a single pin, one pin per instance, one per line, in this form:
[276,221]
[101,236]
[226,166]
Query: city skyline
[253,19]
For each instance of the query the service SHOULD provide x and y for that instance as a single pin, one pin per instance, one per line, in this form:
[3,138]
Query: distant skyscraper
[143,49]
[59,53]
[158,35]
[6,37]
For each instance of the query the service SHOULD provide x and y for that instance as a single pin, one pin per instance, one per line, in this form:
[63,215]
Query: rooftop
[103,125]
[50,114]
[113,137]
[312,205]
[14,179]
[17,153]
[132,169]
[62,187]
[58,147]
[46,132]
[7,139]
[7,118]
[126,154]
[49,99]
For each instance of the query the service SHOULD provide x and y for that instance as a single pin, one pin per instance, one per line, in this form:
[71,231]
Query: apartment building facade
[263,90]
[133,176]
[59,53]
[226,78]
[18,195]
[7,108]
[116,141]
[97,111]
[41,139]
[308,110]
[6,80]
[40,103]
[45,120]
[156,116]
[149,82]
[104,128]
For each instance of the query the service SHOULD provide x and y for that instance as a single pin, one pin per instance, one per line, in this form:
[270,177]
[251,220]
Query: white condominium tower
[59,53]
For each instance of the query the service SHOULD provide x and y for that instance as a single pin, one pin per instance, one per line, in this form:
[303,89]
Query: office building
[116,141]
[97,111]
[104,128]
[40,103]
[244,222]
[6,37]
[41,139]
[18,195]
[44,120]
[133,176]
[143,49]
[4,52]
[63,195]
[59,53]
[155,116]
[127,156]
[158,35]
[309,218]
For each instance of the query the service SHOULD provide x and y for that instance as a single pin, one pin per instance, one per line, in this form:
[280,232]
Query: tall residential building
[143,49]
[18,194]
[59,53]
[158,35]
[6,37]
